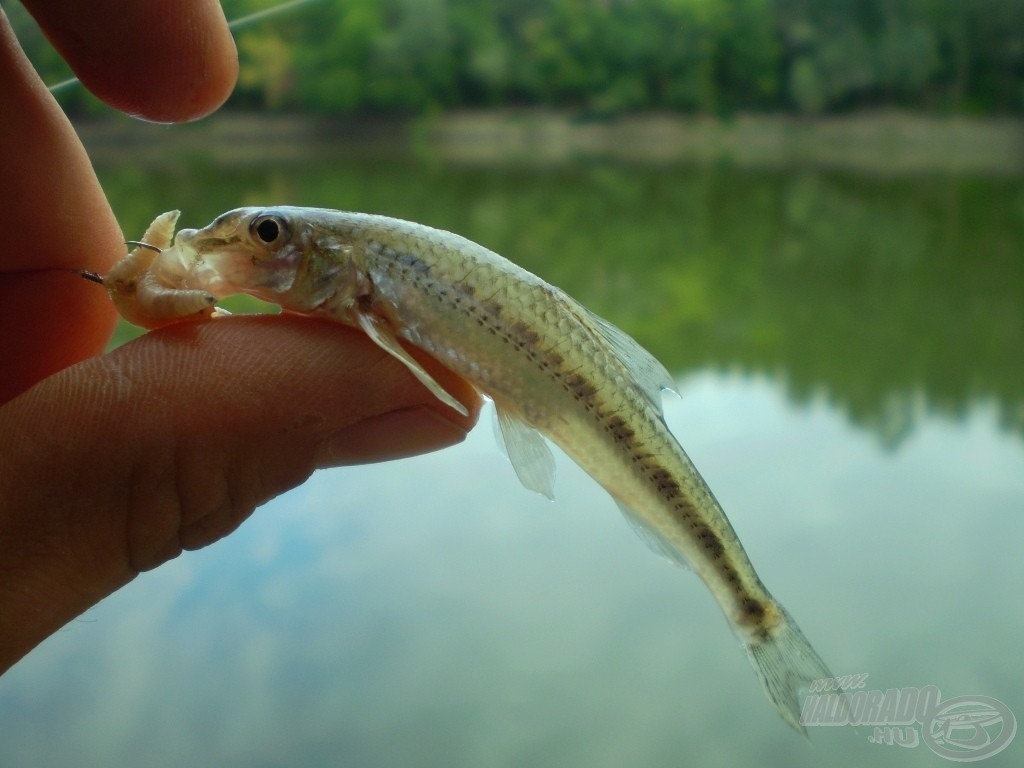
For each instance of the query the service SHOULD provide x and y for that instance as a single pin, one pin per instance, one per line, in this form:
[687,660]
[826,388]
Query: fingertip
[393,435]
[164,60]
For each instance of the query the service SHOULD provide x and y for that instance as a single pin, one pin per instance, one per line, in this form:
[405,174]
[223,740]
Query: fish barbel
[551,367]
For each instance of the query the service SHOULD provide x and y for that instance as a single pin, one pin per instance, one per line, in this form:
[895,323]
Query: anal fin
[651,536]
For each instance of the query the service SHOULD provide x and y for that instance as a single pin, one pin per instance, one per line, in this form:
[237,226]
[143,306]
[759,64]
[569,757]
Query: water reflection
[431,612]
[890,297]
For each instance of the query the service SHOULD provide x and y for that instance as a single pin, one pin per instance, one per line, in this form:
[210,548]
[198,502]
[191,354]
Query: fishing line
[242,21]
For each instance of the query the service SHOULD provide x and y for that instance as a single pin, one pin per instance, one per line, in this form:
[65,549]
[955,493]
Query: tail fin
[785,662]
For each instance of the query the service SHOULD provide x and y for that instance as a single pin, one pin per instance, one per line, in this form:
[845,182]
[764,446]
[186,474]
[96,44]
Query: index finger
[163,60]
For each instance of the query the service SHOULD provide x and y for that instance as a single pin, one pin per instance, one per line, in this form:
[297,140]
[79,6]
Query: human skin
[111,464]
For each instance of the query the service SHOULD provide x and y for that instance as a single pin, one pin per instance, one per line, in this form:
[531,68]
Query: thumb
[117,464]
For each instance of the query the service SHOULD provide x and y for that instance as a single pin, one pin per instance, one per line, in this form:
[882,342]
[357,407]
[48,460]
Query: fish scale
[558,349]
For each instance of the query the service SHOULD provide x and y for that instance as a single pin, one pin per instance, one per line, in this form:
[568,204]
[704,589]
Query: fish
[552,368]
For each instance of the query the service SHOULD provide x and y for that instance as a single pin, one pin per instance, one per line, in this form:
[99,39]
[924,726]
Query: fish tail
[785,663]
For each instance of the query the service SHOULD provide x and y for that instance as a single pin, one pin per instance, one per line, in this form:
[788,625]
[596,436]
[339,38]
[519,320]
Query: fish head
[282,254]
[247,250]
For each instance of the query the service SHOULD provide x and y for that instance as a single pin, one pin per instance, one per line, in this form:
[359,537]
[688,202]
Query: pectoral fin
[529,453]
[384,337]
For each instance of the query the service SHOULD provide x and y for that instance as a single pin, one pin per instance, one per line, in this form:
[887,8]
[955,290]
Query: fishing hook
[98,278]
[140,244]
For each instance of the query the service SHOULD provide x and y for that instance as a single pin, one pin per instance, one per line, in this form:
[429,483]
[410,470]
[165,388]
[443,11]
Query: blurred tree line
[712,57]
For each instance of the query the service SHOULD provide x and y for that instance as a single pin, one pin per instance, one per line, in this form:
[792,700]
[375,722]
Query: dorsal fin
[650,377]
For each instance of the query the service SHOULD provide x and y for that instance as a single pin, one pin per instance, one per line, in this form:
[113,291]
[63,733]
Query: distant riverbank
[887,143]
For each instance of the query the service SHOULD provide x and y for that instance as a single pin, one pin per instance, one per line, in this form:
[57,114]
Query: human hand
[111,465]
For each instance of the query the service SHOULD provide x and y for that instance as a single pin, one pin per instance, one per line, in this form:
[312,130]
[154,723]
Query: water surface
[848,355]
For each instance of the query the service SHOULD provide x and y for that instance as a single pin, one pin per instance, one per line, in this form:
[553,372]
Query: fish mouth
[226,265]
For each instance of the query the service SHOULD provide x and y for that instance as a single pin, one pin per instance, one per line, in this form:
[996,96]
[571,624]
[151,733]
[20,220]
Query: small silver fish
[551,367]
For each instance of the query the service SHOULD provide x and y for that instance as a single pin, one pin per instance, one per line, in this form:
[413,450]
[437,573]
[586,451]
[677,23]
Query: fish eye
[267,228]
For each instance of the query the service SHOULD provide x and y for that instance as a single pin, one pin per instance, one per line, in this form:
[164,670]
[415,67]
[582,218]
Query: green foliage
[605,57]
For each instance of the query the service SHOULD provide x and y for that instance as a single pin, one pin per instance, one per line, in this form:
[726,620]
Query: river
[849,354]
